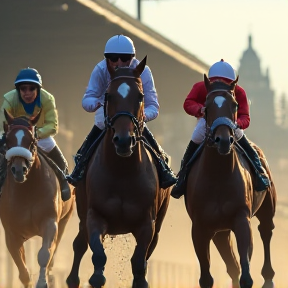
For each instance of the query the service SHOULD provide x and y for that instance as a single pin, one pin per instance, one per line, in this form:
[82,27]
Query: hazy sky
[212,30]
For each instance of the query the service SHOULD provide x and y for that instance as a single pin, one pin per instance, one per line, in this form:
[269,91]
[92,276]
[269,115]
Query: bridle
[220,121]
[22,152]
[138,123]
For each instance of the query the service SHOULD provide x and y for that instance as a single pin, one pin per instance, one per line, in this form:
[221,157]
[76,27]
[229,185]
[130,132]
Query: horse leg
[143,237]
[16,249]
[96,229]
[46,252]
[80,243]
[80,246]
[265,216]
[61,227]
[223,243]
[201,240]
[242,230]
[158,223]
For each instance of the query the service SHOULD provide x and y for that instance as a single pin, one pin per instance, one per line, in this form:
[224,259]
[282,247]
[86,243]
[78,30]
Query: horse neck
[222,164]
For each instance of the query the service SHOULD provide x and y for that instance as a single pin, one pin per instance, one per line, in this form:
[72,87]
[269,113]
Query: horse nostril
[115,139]
[133,140]
[25,170]
[217,139]
[13,170]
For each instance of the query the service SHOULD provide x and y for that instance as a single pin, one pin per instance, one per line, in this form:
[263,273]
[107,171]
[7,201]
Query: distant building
[268,127]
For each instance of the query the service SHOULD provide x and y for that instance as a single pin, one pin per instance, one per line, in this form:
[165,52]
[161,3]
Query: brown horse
[220,197]
[121,193]
[30,204]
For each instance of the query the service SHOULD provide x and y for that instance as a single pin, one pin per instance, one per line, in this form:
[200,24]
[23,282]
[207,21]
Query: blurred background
[64,40]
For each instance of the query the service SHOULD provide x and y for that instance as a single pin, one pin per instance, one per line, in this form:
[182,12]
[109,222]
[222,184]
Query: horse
[30,203]
[121,192]
[220,197]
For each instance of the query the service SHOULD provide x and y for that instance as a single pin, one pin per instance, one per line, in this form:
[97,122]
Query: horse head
[21,144]
[124,107]
[221,114]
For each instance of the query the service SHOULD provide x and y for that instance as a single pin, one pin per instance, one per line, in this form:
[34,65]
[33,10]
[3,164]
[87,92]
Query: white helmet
[120,44]
[222,69]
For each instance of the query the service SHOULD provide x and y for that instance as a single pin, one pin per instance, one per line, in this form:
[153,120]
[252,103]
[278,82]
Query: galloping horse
[31,204]
[121,193]
[220,197]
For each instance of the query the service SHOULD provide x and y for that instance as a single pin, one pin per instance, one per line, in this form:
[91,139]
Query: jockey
[28,98]
[194,106]
[120,52]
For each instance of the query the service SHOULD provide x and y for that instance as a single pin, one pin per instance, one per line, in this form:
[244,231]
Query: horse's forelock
[220,85]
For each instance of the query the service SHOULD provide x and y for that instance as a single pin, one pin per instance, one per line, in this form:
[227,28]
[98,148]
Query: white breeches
[99,118]
[47,144]
[199,132]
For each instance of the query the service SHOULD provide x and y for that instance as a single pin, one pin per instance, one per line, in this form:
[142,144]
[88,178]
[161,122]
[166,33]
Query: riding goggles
[25,88]
[113,57]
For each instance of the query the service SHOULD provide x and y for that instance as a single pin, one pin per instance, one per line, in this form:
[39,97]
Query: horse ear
[8,116]
[233,84]
[5,127]
[207,82]
[110,69]
[141,66]
[35,119]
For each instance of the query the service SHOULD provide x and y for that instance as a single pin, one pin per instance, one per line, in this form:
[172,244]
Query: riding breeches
[99,118]
[46,144]
[199,132]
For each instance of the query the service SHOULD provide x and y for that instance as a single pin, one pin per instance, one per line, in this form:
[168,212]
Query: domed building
[266,130]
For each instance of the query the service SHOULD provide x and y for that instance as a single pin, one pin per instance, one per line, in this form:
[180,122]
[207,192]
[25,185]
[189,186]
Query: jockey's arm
[243,113]
[94,94]
[151,104]
[50,126]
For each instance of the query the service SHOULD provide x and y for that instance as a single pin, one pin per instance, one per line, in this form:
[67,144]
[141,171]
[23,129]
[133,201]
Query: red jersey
[197,97]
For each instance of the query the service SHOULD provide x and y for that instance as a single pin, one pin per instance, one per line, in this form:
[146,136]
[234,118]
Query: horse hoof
[140,283]
[72,283]
[268,284]
[97,280]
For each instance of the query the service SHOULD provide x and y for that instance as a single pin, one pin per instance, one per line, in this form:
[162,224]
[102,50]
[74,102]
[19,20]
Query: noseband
[109,121]
[11,155]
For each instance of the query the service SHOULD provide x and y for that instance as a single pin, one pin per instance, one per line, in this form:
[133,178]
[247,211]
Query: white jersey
[98,84]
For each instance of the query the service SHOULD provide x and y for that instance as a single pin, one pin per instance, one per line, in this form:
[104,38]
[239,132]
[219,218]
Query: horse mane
[21,120]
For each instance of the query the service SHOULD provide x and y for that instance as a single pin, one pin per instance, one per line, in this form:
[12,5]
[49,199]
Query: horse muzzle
[124,145]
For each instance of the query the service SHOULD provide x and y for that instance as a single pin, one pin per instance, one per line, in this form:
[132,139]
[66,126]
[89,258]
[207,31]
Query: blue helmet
[28,75]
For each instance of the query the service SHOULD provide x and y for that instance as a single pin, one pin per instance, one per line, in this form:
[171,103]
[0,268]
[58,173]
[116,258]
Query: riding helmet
[120,44]
[222,69]
[28,75]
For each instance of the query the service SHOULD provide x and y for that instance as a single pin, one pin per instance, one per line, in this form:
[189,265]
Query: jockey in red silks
[194,106]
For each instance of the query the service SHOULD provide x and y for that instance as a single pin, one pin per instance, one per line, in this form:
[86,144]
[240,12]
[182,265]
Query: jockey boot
[58,158]
[179,189]
[262,180]
[154,144]
[167,177]
[80,157]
